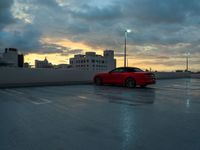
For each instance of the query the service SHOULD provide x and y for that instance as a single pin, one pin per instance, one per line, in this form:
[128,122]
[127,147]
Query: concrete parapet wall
[10,77]
[171,75]
[13,77]
[195,76]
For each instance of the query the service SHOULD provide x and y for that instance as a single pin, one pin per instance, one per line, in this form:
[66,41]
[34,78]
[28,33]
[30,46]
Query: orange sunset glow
[62,58]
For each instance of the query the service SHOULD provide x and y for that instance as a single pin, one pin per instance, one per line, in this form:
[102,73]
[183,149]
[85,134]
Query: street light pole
[125,40]
[187,61]
[125,49]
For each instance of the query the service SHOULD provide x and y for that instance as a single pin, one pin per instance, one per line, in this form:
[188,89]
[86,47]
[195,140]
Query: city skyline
[162,31]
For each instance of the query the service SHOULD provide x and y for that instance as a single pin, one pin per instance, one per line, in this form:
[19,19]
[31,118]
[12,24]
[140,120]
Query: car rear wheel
[98,81]
[143,86]
[130,83]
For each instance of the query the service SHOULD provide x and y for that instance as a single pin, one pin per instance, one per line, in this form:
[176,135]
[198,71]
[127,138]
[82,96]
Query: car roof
[127,68]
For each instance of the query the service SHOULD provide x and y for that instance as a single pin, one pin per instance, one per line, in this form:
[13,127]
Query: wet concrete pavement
[165,116]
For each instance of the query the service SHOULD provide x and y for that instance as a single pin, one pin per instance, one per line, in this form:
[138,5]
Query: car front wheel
[130,83]
[143,86]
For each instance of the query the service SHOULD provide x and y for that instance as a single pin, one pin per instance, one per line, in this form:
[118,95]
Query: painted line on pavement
[41,101]
[37,101]
[82,97]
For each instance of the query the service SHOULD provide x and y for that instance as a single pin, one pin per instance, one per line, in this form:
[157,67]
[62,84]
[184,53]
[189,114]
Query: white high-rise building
[93,62]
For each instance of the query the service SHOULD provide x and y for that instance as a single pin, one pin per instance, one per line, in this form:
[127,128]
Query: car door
[116,76]
[107,79]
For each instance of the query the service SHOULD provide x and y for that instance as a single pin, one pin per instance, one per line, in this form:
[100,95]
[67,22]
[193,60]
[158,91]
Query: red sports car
[127,76]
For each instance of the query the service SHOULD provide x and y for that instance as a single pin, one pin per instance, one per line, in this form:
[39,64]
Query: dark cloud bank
[162,24]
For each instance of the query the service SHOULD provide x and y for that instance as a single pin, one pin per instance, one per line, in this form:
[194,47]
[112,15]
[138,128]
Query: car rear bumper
[147,82]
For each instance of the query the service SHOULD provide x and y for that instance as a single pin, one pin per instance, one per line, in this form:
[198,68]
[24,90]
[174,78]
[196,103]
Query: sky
[162,30]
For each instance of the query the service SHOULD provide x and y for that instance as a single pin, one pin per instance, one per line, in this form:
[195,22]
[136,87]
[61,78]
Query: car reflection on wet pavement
[163,116]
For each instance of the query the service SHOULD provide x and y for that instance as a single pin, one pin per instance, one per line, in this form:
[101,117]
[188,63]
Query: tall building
[2,62]
[43,64]
[20,60]
[93,62]
[11,58]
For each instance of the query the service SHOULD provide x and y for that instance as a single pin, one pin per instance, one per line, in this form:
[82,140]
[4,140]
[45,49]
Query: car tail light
[150,75]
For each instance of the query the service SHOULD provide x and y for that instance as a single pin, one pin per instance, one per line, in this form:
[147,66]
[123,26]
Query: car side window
[130,70]
[118,70]
[134,70]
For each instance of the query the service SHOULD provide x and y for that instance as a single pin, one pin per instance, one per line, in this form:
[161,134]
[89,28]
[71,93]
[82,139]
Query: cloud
[5,14]
[120,55]
[162,11]
[72,51]
[167,62]
[52,48]
[161,29]
[94,13]
[26,40]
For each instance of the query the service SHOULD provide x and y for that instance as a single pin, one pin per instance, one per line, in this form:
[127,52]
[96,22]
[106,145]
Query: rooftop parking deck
[165,116]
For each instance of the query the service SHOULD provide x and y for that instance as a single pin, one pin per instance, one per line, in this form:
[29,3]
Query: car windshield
[134,70]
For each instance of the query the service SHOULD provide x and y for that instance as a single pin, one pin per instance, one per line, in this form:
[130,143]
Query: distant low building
[179,71]
[43,64]
[93,62]
[26,65]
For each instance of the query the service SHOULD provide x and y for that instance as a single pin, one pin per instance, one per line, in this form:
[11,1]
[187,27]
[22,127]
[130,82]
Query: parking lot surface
[165,116]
